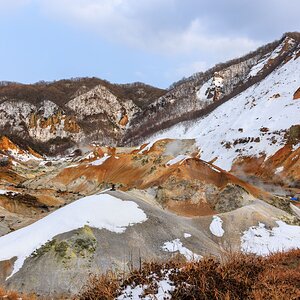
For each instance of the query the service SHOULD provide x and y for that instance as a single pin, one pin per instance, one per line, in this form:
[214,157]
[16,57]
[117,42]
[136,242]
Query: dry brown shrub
[12,295]
[100,287]
[237,276]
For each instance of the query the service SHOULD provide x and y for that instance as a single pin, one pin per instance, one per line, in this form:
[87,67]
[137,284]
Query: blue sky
[154,41]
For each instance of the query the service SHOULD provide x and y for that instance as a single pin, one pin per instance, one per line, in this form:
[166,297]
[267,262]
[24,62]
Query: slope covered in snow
[252,123]
[263,241]
[101,211]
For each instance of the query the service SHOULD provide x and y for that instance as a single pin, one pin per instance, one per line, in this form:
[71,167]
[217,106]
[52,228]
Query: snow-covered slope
[201,93]
[99,211]
[263,241]
[251,124]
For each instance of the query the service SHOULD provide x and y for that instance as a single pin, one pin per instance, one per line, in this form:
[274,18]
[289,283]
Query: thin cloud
[189,31]
[8,6]
[185,35]
[126,21]
[186,70]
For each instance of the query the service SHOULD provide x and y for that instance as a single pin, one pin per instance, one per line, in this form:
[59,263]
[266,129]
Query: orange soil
[131,174]
[9,176]
[189,209]
[47,199]
[32,152]
[6,144]
[124,120]
[286,157]
[297,94]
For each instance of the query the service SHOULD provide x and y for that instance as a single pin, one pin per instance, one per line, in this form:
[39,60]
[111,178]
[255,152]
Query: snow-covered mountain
[205,168]
[256,123]
[52,117]
[203,92]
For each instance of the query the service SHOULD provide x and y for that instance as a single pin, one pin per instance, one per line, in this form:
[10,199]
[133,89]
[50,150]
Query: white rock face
[212,89]
[45,134]
[101,101]
[229,77]
[258,67]
[223,82]
[15,113]
[48,108]
[96,101]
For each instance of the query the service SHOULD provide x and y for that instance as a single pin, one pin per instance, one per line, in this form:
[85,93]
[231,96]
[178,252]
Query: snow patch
[89,155]
[71,166]
[296,147]
[202,93]
[187,235]
[165,287]
[176,245]
[100,161]
[146,148]
[48,108]
[23,156]
[180,158]
[279,170]
[5,192]
[215,226]
[262,241]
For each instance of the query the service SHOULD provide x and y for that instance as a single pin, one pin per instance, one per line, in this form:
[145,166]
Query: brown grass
[100,287]
[12,295]
[236,277]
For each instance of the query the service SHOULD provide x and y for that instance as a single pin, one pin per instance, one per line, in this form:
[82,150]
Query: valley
[98,177]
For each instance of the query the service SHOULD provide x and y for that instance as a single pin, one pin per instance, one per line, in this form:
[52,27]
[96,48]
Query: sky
[153,41]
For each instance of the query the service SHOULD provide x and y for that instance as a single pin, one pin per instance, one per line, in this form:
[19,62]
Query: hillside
[52,117]
[203,92]
[60,213]
[256,132]
[99,178]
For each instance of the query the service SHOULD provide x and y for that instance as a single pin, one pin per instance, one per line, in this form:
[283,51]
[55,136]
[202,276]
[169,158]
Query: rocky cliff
[54,116]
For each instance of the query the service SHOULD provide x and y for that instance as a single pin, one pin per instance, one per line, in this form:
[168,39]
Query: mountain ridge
[225,181]
[55,116]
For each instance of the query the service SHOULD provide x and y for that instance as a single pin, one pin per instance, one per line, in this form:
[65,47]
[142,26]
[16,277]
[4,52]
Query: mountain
[256,132]
[52,117]
[98,177]
[203,92]
[60,221]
